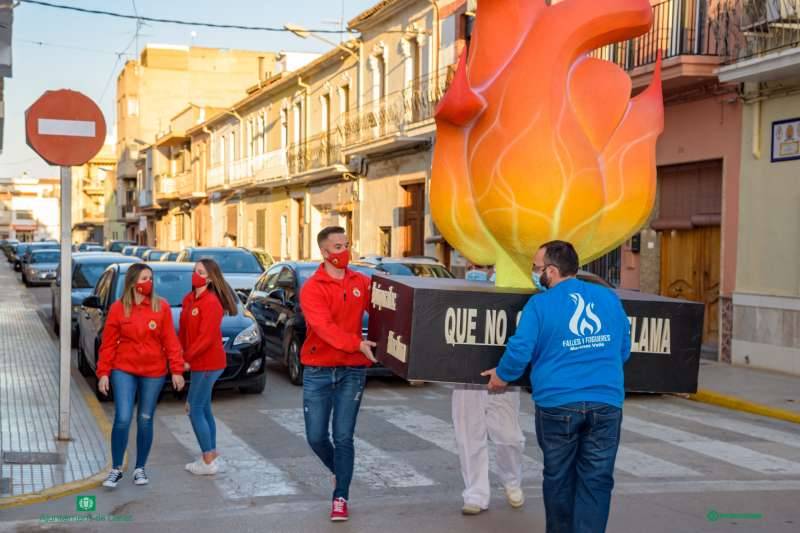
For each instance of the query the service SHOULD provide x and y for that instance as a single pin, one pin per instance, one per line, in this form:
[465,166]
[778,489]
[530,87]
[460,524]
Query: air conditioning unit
[358,164]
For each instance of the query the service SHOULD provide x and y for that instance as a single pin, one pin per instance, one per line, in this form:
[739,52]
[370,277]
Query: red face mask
[198,280]
[145,288]
[340,259]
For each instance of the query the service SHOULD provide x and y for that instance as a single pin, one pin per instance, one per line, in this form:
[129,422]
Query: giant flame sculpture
[538,141]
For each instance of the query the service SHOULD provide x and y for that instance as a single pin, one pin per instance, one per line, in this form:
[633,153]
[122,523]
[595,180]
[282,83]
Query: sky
[81,51]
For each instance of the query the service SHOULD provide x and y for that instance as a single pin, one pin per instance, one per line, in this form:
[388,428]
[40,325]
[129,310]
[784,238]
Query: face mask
[339,260]
[537,281]
[145,288]
[198,280]
[476,275]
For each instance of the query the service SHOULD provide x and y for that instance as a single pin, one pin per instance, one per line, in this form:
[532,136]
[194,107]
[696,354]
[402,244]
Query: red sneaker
[339,510]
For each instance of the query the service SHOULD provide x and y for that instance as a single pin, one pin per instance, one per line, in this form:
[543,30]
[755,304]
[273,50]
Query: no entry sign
[65,127]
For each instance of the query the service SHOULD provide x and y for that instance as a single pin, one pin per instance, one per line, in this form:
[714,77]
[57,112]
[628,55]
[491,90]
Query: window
[104,286]
[264,133]
[386,241]
[284,128]
[270,280]
[325,113]
[297,122]
[86,275]
[344,99]
[24,215]
[133,107]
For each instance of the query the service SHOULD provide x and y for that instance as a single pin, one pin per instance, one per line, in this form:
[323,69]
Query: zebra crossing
[667,446]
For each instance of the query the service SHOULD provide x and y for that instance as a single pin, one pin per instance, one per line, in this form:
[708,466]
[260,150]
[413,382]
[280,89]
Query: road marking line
[715,420]
[722,451]
[69,128]
[247,473]
[373,466]
[441,434]
[630,460]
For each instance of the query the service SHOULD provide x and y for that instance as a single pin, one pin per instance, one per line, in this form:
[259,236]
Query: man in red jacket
[335,359]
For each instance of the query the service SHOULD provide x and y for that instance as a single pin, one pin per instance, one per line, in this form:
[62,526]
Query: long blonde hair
[130,287]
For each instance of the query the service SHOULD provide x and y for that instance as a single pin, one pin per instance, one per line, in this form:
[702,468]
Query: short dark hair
[563,256]
[323,235]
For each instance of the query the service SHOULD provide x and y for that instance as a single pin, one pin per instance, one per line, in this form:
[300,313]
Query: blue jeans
[332,397]
[199,399]
[579,442]
[128,389]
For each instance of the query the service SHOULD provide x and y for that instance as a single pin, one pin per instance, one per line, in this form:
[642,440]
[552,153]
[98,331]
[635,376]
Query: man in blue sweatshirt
[576,337]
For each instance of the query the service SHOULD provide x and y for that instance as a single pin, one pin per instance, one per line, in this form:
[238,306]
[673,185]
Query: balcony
[128,213]
[319,152]
[166,188]
[767,45]
[692,44]
[270,165]
[239,172]
[187,186]
[146,200]
[216,177]
[400,118]
[92,216]
[93,187]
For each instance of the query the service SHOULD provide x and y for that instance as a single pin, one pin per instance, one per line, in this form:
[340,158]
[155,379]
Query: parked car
[153,254]
[275,304]
[239,265]
[263,256]
[84,246]
[23,250]
[128,250]
[118,246]
[140,250]
[169,256]
[40,267]
[240,334]
[87,267]
[8,247]
[421,266]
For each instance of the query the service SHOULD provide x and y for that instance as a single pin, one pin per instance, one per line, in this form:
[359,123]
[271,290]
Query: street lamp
[305,34]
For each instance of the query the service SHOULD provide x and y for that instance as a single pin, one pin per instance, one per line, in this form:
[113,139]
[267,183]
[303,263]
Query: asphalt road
[680,463]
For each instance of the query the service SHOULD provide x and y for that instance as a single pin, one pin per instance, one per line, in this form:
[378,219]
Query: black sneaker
[139,477]
[113,478]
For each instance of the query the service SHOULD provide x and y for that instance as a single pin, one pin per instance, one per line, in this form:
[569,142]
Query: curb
[73,487]
[739,404]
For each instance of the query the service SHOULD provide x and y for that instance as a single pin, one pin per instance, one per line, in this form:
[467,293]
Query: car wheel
[257,387]
[293,360]
[83,365]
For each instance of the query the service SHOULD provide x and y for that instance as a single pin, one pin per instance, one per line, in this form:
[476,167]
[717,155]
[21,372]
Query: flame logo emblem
[535,140]
[584,321]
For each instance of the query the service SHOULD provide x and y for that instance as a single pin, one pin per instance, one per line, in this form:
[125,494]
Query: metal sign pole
[65,323]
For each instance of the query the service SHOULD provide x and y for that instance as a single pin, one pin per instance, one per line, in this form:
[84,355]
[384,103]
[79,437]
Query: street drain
[33,458]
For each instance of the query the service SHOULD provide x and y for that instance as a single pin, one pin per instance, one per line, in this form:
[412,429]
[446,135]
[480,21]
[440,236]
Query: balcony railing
[215,177]
[166,187]
[270,165]
[146,199]
[397,111]
[757,27]
[239,172]
[320,151]
[128,213]
[184,182]
[680,27]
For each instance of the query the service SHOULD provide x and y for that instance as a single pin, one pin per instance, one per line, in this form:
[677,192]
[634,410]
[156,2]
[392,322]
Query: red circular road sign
[65,127]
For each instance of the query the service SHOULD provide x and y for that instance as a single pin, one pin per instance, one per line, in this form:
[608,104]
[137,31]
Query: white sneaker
[471,509]
[201,468]
[220,464]
[515,497]
[139,477]
[190,465]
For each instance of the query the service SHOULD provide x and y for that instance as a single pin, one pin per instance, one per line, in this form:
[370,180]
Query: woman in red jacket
[139,346]
[201,338]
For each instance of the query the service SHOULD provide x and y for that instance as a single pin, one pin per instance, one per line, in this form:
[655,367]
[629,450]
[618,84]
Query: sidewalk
[34,466]
[761,392]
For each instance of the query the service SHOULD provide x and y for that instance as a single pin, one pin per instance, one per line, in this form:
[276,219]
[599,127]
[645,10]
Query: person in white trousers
[477,417]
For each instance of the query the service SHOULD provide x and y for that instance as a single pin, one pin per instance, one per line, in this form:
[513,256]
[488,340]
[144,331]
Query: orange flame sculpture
[537,141]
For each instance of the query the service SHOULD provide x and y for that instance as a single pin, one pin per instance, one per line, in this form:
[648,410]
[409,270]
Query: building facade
[89,195]
[29,208]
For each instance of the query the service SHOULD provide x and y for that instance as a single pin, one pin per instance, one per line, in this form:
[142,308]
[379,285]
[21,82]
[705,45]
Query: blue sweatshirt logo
[584,321]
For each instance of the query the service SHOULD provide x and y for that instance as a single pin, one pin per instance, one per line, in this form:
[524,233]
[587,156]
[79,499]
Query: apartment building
[156,87]
[764,318]
[89,195]
[29,208]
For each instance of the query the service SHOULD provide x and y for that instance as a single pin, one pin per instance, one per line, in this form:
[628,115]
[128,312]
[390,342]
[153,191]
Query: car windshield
[416,269]
[93,248]
[46,257]
[118,246]
[171,285]
[231,262]
[155,256]
[87,274]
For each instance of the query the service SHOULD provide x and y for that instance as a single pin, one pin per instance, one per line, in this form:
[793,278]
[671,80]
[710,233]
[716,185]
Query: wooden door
[413,220]
[690,269]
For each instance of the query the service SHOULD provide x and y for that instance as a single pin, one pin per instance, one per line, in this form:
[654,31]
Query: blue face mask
[537,281]
[476,275]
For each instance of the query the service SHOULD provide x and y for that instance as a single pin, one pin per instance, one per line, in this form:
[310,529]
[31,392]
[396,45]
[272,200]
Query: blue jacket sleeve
[520,347]
[626,335]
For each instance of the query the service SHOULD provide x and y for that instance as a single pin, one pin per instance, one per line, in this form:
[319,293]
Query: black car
[239,265]
[275,305]
[87,267]
[420,266]
[240,334]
